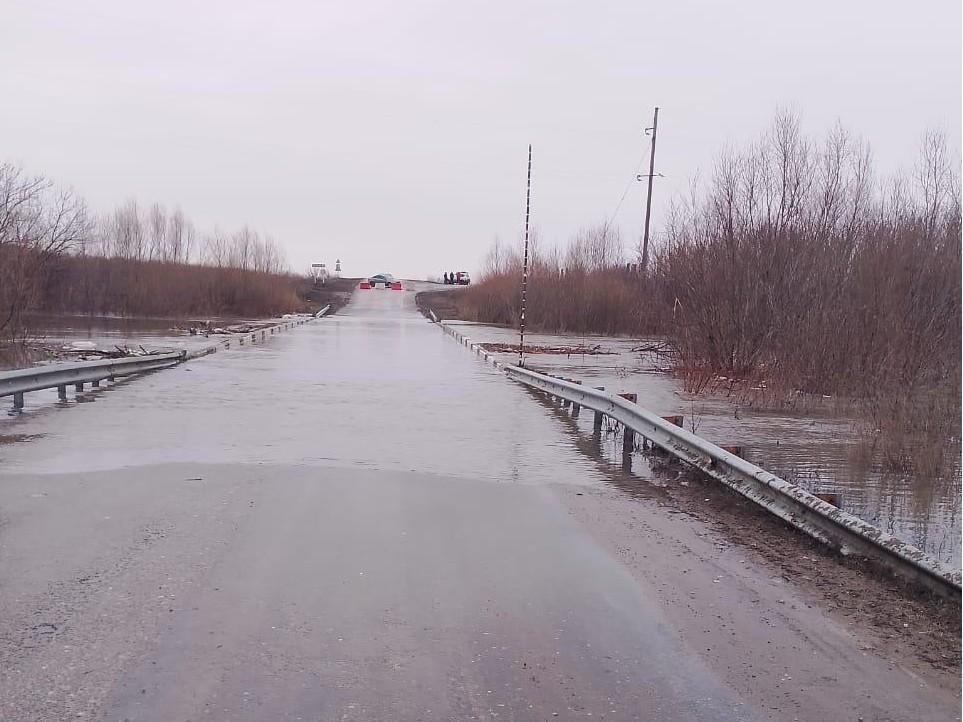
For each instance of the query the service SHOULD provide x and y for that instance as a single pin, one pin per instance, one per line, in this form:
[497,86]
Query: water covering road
[353,521]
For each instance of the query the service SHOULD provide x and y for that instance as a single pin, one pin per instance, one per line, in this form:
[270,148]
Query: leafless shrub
[796,266]
[583,288]
[99,285]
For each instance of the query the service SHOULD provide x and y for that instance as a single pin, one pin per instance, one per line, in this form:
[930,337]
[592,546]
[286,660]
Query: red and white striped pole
[528,206]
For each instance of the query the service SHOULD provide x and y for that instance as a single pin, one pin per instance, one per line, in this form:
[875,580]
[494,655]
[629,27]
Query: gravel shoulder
[773,612]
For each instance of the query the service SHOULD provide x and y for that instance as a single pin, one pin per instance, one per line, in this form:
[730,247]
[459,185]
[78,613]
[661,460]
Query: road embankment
[443,302]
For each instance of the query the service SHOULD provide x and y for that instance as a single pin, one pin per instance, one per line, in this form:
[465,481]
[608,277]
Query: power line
[625,192]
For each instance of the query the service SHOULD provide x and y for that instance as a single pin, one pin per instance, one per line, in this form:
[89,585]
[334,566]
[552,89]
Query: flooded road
[358,520]
[375,387]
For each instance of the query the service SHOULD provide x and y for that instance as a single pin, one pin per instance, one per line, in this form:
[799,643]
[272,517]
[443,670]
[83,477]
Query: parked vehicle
[462,278]
[385,279]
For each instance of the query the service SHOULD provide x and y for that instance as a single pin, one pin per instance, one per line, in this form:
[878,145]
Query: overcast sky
[393,134]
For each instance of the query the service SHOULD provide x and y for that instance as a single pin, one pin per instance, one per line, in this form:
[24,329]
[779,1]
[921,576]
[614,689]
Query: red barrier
[396,286]
[364,285]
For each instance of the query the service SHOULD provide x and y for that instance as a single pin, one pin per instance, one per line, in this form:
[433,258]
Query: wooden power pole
[648,195]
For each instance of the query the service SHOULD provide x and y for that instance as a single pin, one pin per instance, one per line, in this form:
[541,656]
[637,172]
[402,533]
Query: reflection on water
[84,326]
[821,451]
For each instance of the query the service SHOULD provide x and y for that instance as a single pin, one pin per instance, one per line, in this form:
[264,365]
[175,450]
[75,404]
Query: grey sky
[394,134]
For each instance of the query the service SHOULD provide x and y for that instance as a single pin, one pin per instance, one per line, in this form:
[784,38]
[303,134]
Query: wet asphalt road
[351,522]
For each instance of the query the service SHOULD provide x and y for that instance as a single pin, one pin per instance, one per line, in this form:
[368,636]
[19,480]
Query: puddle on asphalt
[821,451]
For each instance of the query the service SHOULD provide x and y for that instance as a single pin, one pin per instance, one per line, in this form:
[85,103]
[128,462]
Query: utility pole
[528,206]
[648,195]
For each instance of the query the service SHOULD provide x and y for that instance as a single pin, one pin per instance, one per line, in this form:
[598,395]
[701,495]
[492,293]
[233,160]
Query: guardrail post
[830,497]
[575,407]
[675,420]
[597,424]
[18,401]
[565,402]
[62,392]
[628,439]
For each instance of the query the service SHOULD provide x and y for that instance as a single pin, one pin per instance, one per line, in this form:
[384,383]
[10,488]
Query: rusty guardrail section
[36,378]
[817,518]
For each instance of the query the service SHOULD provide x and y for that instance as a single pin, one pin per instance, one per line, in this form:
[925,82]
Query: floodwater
[824,452]
[318,377]
[345,390]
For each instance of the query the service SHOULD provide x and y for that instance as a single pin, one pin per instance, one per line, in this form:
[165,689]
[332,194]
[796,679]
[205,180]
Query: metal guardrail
[252,336]
[59,376]
[37,378]
[789,502]
[793,504]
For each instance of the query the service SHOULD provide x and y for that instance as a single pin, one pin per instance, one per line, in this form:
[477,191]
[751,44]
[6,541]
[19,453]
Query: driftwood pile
[580,350]
[86,351]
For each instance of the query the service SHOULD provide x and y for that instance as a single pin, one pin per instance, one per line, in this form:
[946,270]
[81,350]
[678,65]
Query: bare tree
[157,249]
[179,238]
[38,223]
[125,230]
[935,177]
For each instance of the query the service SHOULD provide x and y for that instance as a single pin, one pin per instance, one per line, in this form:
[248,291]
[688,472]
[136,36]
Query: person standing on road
[446,278]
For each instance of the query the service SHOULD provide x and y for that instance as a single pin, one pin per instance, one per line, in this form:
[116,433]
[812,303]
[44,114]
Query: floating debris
[580,350]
